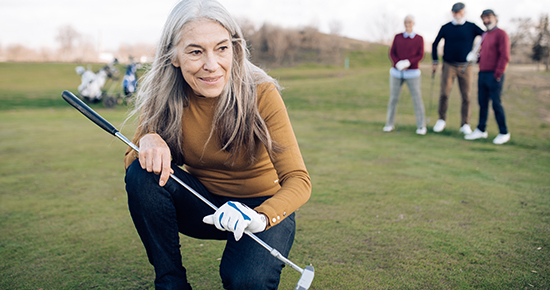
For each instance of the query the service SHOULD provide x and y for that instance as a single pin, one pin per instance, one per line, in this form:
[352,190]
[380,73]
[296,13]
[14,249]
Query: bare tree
[67,37]
[18,52]
[523,33]
[335,27]
[541,45]
[384,27]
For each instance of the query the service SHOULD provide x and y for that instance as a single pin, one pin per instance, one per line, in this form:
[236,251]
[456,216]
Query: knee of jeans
[138,180]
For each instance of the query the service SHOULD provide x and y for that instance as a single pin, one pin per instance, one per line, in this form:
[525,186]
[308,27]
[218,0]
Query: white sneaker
[439,125]
[421,131]
[501,139]
[466,129]
[477,134]
[388,128]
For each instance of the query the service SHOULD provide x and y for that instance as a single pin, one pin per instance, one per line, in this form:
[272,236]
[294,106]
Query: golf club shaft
[432,83]
[105,125]
[465,67]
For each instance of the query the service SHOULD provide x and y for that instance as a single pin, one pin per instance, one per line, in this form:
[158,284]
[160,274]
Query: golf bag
[129,82]
[92,84]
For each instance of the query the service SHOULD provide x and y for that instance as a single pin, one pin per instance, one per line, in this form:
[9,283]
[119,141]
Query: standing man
[406,52]
[493,60]
[459,36]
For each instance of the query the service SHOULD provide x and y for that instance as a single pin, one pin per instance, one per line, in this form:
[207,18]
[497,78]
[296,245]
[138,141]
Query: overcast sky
[34,23]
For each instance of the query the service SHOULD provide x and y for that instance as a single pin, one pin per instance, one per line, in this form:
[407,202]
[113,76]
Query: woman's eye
[223,48]
[195,52]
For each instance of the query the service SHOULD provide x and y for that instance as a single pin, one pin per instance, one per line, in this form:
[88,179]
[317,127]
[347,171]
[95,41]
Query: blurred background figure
[493,60]
[406,51]
[459,36]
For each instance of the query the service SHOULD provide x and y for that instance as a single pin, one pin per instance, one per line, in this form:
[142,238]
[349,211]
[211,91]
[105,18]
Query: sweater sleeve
[503,55]
[418,51]
[393,51]
[293,177]
[435,57]
[478,30]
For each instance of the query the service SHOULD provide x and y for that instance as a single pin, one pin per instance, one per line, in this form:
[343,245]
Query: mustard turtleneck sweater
[283,177]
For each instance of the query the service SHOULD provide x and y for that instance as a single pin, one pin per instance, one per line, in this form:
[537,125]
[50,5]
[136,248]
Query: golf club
[465,67]
[431,96]
[307,274]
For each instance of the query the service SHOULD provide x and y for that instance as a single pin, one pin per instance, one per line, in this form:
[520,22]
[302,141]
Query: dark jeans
[161,213]
[489,89]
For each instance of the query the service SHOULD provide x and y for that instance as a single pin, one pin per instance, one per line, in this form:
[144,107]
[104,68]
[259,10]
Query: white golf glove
[472,56]
[402,64]
[236,217]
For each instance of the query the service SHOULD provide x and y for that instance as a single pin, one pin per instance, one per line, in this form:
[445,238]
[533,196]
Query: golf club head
[305,280]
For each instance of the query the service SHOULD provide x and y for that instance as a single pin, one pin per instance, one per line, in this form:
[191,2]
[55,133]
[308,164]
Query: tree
[522,35]
[541,45]
[384,27]
[335,27]
[67,37]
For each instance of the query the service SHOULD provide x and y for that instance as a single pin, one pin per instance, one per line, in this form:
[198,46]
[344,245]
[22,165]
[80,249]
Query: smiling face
[489,20]
[204,56]
[409,24]
[459,14]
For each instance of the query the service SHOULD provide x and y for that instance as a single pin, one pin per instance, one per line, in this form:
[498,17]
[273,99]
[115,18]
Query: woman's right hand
[154,156]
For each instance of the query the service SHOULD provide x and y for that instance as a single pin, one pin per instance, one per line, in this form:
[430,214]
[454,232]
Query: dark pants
[489,89]
[161,213]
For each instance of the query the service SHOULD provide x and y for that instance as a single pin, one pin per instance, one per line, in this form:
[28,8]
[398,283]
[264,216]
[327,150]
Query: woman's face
[409,23]
[204,56]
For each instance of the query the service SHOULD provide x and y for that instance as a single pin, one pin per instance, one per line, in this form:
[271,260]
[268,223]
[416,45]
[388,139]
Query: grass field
[388,210]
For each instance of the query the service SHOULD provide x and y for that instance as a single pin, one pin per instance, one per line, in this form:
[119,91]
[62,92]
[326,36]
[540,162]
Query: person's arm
[291,170]
[393,52]
[477,30]
[503,55]
[418,51]
[435,57]
[154,155]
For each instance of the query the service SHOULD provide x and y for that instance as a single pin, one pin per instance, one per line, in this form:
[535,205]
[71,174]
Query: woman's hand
[236,217]
[154,156]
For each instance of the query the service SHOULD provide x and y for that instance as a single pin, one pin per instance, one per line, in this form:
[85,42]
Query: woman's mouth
[210,80]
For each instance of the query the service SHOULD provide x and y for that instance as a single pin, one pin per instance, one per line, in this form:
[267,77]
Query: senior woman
[406,51]
[203,105]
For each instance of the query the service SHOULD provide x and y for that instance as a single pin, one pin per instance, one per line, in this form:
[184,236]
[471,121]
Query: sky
[109,23]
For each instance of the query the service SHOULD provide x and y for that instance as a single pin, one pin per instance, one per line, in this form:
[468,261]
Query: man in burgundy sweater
[406,52]
[493,60]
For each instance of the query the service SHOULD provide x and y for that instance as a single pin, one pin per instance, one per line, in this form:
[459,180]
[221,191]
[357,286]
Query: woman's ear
[175,62]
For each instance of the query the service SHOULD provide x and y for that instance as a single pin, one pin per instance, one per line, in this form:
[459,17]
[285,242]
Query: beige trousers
[448,75]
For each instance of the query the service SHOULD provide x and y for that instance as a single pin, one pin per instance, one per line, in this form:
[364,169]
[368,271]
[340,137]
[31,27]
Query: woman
[204,105]
[406,52]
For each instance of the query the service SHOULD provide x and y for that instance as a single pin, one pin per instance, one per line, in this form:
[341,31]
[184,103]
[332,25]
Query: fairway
[388,210]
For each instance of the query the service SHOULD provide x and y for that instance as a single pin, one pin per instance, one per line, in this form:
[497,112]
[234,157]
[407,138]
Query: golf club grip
[88,112]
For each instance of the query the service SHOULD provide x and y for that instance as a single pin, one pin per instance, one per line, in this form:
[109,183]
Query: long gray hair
[163,95]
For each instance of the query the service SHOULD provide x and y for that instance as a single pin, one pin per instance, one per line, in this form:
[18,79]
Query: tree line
[531,41]
[274,46]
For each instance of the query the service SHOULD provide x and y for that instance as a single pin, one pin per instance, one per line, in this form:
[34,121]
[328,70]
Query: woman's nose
[210,62]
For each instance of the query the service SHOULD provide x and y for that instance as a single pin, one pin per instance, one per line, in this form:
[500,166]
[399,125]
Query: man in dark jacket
[459,36]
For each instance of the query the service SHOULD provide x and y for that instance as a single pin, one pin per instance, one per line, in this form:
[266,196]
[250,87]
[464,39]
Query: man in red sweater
[493,60]
[405,53]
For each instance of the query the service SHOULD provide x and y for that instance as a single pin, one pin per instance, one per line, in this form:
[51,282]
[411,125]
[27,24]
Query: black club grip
[88,112]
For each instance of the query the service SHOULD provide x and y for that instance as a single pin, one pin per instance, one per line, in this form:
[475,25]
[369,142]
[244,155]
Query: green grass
[388,211]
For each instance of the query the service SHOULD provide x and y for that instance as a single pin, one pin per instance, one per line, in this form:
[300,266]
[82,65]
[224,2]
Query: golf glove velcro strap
[236,217]
[402,64]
